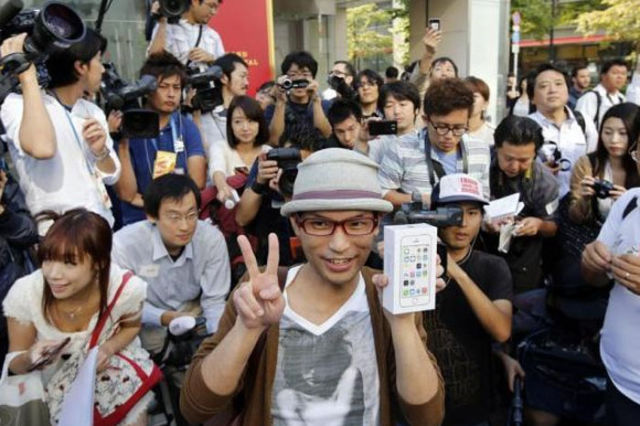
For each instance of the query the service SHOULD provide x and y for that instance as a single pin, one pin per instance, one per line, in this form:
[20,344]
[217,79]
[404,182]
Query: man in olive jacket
[318,348]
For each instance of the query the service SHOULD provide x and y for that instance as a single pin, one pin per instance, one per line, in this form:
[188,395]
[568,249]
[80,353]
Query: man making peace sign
[321,351]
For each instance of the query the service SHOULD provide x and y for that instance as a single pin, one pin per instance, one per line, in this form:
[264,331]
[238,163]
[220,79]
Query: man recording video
[233,82]
[297,99]
[177,148]
[59,141]
[190,40]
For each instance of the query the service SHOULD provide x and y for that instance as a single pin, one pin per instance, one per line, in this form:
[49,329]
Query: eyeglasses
[319,227]
[189,217]
[443,129]
[364,84]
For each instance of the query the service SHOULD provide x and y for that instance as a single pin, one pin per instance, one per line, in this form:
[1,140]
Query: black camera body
[602,188]
[53,28]
[340,85]
[288,84]
[288,160]
[208,88]
[440,217]
[173,9]
[118,94]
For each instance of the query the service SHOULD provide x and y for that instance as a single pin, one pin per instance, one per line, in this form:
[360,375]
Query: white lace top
[24,303]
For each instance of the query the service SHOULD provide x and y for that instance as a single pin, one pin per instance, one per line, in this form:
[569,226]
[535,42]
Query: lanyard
[174,135]
[78,141]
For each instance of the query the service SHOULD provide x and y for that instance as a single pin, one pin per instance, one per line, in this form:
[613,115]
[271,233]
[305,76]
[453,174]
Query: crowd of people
[263,216]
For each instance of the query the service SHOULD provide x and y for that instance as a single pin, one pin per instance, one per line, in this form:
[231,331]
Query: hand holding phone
[383,127]
[434,24]
[45,352]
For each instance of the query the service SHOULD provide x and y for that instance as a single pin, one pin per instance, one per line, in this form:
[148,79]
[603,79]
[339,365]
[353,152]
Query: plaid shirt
[404,165]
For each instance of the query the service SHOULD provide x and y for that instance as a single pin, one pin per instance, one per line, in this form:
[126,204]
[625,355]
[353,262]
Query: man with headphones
[515,170]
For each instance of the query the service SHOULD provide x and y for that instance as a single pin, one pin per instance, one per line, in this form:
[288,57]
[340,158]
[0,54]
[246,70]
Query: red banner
[246,28]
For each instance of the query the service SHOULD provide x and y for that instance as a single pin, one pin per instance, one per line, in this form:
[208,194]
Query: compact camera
[289,84]
[288,160]
[602,188]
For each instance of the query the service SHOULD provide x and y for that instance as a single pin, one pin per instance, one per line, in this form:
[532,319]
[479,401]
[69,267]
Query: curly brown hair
[446,96]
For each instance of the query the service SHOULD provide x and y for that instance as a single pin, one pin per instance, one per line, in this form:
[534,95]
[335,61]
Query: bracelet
[259,188]
[102,155]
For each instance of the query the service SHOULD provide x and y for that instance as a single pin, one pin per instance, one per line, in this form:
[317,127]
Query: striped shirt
[404,165]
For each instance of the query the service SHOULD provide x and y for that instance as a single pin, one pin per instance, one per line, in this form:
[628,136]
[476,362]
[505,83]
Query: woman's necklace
[71,314]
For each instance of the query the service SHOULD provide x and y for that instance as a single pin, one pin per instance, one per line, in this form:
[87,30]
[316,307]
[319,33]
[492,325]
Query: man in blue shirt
[178,148]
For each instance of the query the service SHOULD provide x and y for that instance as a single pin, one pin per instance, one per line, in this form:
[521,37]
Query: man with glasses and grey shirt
[407,174]
[184,261]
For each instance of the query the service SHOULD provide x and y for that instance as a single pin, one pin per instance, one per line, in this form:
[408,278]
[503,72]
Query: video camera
[440,217]
[288,84]
[53,28]
[120,95]
[208,90]
[288,160]
[338,84]
[173,9]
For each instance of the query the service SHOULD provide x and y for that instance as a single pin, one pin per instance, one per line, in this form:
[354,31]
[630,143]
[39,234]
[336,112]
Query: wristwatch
[259,188]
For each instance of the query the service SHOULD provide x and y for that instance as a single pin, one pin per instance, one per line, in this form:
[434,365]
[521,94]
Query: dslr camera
[173,9]
[602,188]
[119,94]
[288,84]
[208,88]
[288,160]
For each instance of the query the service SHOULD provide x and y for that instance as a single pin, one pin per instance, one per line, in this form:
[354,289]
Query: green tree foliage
[538,18]
[368,32]
[619,19]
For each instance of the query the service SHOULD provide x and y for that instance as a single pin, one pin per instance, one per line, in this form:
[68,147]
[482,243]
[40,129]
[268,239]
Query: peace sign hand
[259,301]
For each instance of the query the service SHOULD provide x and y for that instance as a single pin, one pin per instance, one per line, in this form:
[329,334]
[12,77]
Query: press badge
[178,145]
[164,164]
[149,271]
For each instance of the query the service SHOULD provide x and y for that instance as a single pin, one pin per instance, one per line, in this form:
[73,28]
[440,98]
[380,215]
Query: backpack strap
[580,119]
[596,119]
[105,315]
[631,206]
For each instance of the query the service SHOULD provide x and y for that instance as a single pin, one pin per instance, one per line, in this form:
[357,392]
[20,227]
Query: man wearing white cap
[321,350]
[472,310]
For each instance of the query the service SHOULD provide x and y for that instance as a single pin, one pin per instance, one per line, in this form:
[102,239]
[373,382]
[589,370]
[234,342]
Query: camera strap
[435,168]
[197,42]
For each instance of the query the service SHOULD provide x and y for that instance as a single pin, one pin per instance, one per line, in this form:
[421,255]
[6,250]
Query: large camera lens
[173,8]
[57,27]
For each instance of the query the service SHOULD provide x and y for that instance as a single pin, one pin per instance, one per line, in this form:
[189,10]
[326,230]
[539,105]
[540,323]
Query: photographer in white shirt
[59,141]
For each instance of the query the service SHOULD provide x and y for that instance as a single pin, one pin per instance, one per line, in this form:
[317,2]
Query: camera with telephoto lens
[118,94]
[288,84]
[207,86]
[339,84]
[173,9]
[288,160]
[602,188]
